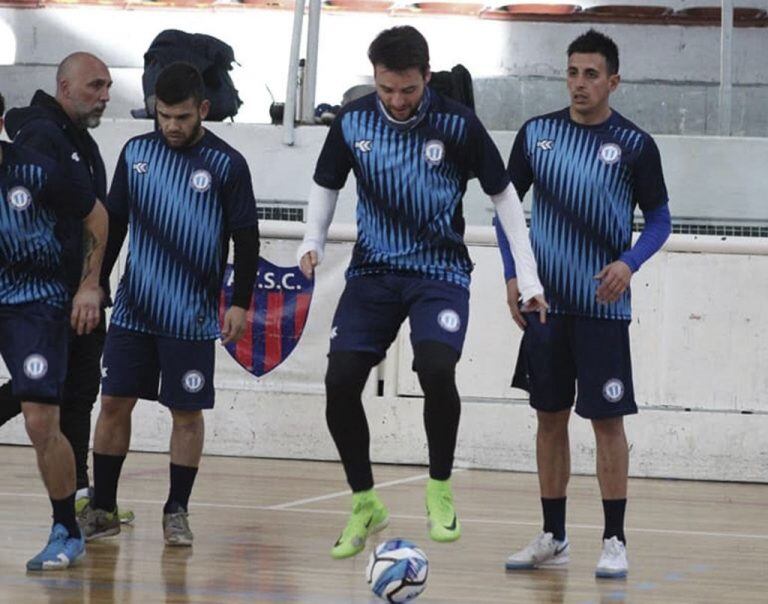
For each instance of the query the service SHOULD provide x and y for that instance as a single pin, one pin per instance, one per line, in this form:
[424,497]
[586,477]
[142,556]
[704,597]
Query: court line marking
[380,485]
[464,520]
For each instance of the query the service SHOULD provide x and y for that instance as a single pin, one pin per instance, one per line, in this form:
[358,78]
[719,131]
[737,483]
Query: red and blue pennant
[276,318]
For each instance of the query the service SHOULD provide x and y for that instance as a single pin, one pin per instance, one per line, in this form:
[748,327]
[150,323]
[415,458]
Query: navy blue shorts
[568,351]
[134,362]
[34,339]
[373,307]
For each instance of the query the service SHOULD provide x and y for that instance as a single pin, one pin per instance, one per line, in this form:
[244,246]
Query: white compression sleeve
[510,213]
[321,206]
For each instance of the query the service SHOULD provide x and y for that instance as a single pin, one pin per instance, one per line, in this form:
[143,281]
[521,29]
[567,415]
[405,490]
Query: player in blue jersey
[412,152]
[589,168]
[57,126]
[35,194]
[184,193]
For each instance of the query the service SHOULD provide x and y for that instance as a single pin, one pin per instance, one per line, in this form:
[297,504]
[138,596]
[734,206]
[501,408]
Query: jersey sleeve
[117,199]
[650,189]
[239,200]
[335,159]
[519,165]
[485,160]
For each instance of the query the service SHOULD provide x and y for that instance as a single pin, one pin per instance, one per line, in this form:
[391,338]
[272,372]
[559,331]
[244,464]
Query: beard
[89,116]
[179,143]
[92,121]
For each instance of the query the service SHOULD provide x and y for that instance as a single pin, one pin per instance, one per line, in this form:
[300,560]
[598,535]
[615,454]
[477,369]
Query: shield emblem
[276,318]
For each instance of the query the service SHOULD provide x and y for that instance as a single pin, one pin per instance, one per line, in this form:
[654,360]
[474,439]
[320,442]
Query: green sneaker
[83,498]
[126,517]
[441,516]
[95,523]
[369,516]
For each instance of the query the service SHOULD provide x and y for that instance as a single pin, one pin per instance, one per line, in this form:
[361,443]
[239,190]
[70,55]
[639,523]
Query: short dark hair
[2,106]
[400,48]
[178,82]
[595,42]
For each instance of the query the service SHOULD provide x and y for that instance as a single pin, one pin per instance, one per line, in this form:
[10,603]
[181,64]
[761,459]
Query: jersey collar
[411,122]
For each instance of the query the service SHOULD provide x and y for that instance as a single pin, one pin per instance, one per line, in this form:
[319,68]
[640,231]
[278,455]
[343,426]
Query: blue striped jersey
[35,193]
[410,184]
[587,181]
[181,205]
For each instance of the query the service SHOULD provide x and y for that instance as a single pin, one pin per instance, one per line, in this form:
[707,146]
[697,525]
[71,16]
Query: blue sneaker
[61,552]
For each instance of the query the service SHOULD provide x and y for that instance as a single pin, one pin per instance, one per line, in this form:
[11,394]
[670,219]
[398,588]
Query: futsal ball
[397,571]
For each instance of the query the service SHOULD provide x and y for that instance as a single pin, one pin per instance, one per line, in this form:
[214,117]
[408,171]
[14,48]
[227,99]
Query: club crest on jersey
[449,320]
[200,180]
[35,366]
[364,146]
[193,381]
[19,198]
[434,151]
[609,153]
[276,318]
[545,144]
[141,167]
[613,390]
[75,156]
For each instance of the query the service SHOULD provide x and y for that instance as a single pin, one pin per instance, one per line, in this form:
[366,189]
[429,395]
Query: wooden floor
[263,529]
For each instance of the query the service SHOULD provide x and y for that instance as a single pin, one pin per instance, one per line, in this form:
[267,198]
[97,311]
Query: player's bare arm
[86,305]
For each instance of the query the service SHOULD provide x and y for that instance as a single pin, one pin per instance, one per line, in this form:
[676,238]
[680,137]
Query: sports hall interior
[271,496]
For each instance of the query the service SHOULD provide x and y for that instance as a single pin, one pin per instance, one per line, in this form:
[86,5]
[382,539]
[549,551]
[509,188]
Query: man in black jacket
[58,127]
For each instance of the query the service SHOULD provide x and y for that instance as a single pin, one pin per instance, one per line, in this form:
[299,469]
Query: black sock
[614,518]
[106,474]
[182,479]
[554,516]
[64,514]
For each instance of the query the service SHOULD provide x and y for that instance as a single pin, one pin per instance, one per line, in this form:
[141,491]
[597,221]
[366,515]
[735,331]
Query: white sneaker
[613,560]
[544,551]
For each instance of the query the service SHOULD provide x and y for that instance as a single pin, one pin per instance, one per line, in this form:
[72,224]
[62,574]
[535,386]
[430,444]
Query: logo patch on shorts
[613,390]
[434,151]
[200,180]
[609,153]
[19,198]
[193,381]
[449,320]
[35,366]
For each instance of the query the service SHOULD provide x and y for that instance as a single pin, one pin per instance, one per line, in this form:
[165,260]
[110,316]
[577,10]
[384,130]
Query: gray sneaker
[176,529]
[95,523]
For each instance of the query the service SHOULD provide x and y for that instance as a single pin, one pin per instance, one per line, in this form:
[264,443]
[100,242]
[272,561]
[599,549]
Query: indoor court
[651,169]
[263,528]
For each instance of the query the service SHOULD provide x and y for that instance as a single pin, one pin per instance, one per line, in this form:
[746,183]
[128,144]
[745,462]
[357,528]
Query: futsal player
[589,167]
[35,193]
[184,192]
[412,152]
[57,126]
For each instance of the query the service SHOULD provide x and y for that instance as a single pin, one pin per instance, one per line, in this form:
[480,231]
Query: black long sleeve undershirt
[118,228]
[246,264]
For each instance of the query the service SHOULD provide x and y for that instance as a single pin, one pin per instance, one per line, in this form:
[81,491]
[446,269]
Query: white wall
[699,362]
[698,339]
[707,177]
[687,58]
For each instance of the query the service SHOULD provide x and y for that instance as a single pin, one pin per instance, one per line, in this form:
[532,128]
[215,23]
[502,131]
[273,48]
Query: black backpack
[456,84]
[210,55]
